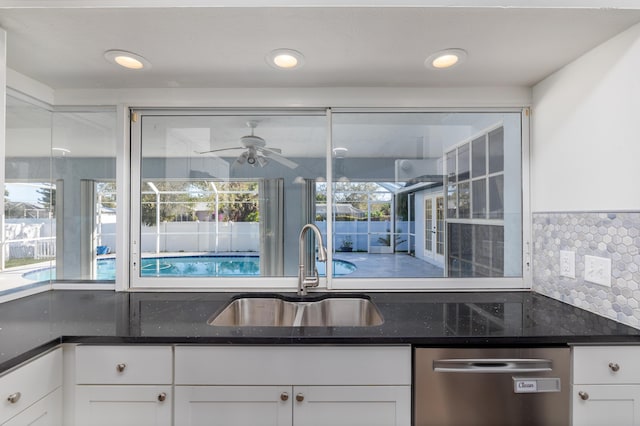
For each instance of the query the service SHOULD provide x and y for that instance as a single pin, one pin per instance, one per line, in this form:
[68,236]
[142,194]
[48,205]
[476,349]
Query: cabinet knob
[299,397]
[162,396]
[14,397]
[120,367]
[614,366]
[284,396]
[583,395]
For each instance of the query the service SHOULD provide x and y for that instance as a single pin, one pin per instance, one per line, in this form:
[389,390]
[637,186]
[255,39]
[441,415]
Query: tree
[48,198]
[321,192]
[181,200]
[107,191]
[175,199]
[239,201]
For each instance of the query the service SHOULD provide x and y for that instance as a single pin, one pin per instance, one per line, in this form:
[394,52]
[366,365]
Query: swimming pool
[190,266]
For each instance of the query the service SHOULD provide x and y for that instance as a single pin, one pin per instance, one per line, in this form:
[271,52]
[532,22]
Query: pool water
[190,266]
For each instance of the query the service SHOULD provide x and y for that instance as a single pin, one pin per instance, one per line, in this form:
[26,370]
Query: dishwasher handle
[492,365]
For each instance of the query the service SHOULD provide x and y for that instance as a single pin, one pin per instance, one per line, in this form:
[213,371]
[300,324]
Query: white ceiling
[225,47]
[221,47]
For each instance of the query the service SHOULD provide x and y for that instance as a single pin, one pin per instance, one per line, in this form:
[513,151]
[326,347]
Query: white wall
[377,97]
[586,131]
[628,4]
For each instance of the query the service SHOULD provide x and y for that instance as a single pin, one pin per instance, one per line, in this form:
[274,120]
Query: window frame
[136,282]
[449,283]
[329,282]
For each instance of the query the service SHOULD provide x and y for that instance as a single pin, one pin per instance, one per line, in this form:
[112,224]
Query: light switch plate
[567,263]
[597,270]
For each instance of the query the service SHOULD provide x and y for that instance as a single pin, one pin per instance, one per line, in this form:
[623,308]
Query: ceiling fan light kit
[256,151]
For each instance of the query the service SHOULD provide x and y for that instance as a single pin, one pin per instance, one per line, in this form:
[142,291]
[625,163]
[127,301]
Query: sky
[24,192]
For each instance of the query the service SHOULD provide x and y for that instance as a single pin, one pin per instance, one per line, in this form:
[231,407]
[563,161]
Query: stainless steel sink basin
[277,311]
[341,312]
[262,311]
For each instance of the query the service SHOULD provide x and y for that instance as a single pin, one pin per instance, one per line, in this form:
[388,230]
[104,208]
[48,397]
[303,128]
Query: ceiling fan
[256,152]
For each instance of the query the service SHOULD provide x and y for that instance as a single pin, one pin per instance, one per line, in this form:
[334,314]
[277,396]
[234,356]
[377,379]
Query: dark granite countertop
[35,323]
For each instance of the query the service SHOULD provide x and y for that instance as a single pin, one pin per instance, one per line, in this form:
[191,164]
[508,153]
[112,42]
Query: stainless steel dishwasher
[493,386]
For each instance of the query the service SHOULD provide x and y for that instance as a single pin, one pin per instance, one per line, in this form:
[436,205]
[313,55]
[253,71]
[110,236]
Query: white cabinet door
[123,405]
[611,405]
[45,412]
[352,406]
[30,383]
[233,405]
[297,406]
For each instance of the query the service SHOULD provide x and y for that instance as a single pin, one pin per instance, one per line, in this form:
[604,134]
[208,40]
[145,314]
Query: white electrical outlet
[597,270]
[567,263]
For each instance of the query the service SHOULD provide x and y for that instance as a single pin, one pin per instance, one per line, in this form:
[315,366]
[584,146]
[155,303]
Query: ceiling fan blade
[219,150]
[270,153]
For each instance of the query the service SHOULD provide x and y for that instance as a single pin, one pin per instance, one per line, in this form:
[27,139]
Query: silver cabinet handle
[162,397]
[14,397]
[614,367]
[299,397]
[284,396]
[490,365]
[583,395]
[120,367]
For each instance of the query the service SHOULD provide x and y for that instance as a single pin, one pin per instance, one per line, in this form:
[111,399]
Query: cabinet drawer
[29,383]
[47,411]
[606,365]
[123,405]
[149,365]
[293,365]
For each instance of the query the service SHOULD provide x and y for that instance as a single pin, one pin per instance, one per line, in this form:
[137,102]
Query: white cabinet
[606,386]
[610,405]
[301,386]
[123,405]
[45,412]
[123,385]
[351,405]
[32,393]
[233,405]
[292,405]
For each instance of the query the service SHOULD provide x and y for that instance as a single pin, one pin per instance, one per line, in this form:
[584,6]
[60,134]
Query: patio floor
[373,265]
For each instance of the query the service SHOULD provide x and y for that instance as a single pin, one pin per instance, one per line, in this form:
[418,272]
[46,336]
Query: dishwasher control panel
[536,384]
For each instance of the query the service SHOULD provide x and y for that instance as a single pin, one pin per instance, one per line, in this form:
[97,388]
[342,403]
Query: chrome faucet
[312,281]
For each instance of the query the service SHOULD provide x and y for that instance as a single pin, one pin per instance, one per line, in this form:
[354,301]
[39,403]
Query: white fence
[29,239]
[201,237]
[33,238]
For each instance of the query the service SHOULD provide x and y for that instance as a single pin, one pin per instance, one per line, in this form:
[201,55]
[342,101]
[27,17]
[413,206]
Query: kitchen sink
[280,311]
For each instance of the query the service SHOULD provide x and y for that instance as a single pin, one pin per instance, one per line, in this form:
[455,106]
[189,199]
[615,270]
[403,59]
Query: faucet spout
[305,281]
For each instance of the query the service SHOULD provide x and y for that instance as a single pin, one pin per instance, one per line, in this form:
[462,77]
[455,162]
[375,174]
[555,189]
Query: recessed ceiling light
[447,58]
[285,59]
[126,59]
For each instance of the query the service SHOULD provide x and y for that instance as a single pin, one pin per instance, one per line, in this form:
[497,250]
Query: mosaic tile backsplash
[615,236]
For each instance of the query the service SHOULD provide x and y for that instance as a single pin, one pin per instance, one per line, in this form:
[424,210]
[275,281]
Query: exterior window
[59,216]
[221,198]
[476,246]
[448,171]
[218,198]
[200,228]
